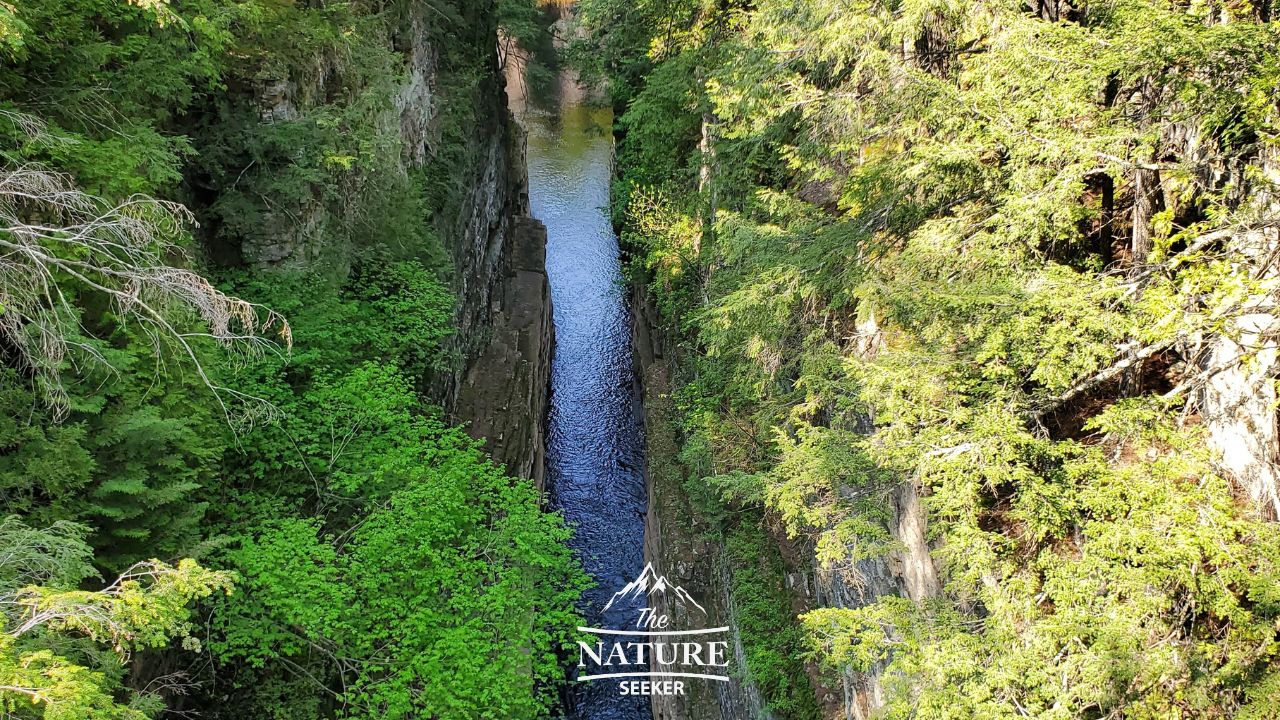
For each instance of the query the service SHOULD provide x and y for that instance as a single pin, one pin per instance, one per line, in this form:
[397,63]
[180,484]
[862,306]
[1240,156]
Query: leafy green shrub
[451,597]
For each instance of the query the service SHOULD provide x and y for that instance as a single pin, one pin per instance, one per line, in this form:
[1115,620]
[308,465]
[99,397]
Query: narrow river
[595,446]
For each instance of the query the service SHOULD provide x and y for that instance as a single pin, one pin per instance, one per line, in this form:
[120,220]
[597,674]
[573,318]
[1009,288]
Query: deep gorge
[356,356]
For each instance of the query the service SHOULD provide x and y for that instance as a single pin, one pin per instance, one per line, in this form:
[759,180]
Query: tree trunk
[1147,200]
[706,177]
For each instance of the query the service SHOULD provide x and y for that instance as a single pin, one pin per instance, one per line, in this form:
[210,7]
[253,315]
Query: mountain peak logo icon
[648,583]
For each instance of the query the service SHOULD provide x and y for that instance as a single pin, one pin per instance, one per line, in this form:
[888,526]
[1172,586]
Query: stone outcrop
[480,236]
[907,572]
[678,544]
[503,394]
[505,330]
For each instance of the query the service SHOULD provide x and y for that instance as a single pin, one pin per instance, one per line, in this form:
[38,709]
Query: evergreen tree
[1005,253]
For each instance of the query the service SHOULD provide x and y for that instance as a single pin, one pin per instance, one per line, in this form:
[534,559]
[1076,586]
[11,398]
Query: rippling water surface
[595,447]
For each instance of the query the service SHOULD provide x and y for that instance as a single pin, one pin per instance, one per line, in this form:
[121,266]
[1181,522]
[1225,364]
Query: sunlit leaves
[913,238]
[62,649]
[453,598]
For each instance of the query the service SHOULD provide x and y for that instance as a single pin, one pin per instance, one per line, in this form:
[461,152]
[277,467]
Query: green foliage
[501,639]
[762,611]
[62,649]
[151,453]
[141,437]
[661,126]
[56,555]
[397,311]
[293,595]
[388,568]
[906,256]
[451,599]
[521,21]
[43,462]
[1070,631]
[104,74]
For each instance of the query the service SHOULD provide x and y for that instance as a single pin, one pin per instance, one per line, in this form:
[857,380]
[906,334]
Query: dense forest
[968,310]
[971,306]
[228,322]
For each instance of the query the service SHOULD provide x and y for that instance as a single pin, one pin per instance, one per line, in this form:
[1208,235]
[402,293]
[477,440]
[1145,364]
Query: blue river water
[595,440]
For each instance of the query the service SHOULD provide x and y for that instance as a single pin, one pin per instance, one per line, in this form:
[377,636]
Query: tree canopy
[294,527]
[1012,255]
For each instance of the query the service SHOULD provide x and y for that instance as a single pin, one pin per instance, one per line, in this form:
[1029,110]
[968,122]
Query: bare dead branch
[54,236]
[1132,356]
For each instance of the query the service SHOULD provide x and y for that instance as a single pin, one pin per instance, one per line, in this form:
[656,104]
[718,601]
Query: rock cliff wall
[505,331]
[503,394]
[445,135]
[907,572]
[678,542]
[680,545]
